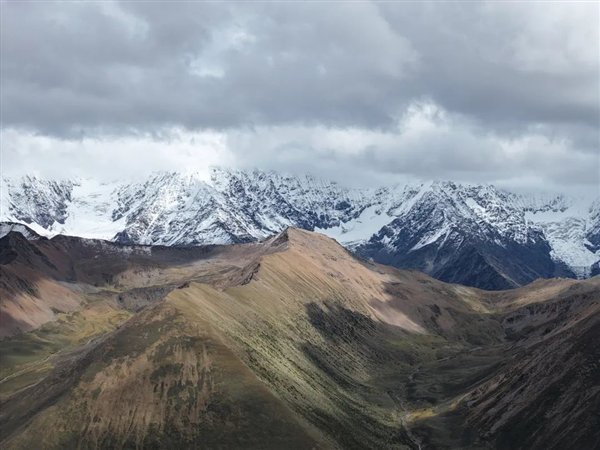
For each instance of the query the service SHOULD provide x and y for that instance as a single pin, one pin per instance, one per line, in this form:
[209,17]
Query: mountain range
[476,235]
[291,342]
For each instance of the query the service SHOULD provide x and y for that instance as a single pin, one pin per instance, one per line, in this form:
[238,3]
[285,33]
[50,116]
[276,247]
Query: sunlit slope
[336,338]
[42,278]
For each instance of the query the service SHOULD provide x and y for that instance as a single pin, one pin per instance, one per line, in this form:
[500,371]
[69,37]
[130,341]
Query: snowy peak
[416,225]
[35,200]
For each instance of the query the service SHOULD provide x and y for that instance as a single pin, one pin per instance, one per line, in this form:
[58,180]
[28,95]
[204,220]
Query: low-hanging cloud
[361,91]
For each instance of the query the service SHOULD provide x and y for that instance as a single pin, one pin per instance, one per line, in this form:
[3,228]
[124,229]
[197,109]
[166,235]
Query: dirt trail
[403,417]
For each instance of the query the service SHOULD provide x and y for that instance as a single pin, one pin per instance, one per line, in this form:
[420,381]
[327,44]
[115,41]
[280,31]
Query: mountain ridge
[514,237]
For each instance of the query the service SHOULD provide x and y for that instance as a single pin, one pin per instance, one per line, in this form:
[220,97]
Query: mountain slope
[475,235]
[552,383]
[447,233]
[542,393]
[296,335]
[42,277]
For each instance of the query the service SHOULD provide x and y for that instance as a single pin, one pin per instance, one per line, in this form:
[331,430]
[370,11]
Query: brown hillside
[294,342]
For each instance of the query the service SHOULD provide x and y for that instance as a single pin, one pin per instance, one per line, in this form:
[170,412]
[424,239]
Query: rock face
[472,234]
[477,236]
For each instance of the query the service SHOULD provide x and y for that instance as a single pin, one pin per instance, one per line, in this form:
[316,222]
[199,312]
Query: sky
[364,93]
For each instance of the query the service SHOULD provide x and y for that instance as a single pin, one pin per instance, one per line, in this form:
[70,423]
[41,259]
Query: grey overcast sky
[360,92]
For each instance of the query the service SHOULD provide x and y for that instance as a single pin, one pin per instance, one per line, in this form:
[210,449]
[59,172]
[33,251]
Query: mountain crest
[430,226]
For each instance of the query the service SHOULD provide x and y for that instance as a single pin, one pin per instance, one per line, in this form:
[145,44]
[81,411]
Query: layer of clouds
[359,91]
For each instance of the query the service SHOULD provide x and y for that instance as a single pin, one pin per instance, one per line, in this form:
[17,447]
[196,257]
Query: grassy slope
[28,357]
[161,381]
[306,342]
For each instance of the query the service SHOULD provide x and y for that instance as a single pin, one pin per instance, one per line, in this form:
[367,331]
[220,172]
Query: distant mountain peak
[431,226]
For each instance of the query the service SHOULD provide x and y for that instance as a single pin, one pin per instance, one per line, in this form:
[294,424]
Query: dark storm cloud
[142,65]
[288,83]
[70,66]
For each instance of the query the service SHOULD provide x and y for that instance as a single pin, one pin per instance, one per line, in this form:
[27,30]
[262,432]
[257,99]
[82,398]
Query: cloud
[359,90]
[199,65]
[112,157]
[426,143]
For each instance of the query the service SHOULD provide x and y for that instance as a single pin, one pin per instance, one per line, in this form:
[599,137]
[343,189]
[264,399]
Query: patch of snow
[565,230]
[6,228]
[21,227]
[89,214]
[370,221]
[431,238]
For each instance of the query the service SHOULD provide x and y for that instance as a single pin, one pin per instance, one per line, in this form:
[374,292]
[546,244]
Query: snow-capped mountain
[471,234]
